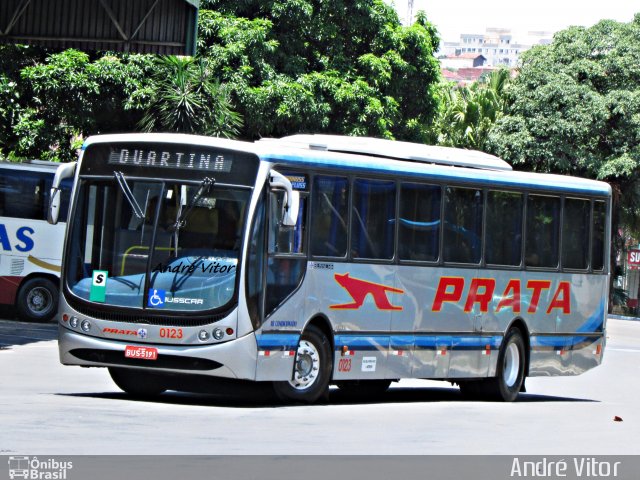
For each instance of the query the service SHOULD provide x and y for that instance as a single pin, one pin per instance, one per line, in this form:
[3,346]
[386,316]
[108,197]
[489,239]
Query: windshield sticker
[98,292]
[156,298]
[190,268]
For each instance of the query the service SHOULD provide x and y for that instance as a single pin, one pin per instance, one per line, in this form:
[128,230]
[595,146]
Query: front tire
[312,369]
[37,300]
[138,383]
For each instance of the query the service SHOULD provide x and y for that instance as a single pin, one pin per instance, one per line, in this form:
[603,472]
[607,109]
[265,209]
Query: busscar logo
[36,469]
[359,289]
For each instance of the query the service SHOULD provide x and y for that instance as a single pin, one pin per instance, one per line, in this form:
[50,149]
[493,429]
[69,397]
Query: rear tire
[510,373]
[312,370]
[138,383]
[37,300]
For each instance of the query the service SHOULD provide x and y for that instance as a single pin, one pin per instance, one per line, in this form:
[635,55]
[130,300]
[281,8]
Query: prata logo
[359,289]
[156,298]
[142,333]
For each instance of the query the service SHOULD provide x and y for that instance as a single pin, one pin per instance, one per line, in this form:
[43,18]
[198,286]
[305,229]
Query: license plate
[141,353]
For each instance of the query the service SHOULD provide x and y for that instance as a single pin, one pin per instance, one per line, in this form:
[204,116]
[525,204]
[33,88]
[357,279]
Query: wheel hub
[38,299]
[307,366]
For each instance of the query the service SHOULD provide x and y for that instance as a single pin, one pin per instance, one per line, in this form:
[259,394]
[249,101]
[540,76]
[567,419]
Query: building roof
[466,56]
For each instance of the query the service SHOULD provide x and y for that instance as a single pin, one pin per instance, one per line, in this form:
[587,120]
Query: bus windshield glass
[156,244]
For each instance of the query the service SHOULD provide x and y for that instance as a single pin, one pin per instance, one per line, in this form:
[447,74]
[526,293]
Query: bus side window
[575,234]
[419,222]
[24,195]
[373,220]
[598,250]
[284,239]
[542,232]
[463,225]
[329,216]
[504,228]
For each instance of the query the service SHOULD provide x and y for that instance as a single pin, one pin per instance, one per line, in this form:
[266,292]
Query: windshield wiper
[124,186]
[205,186]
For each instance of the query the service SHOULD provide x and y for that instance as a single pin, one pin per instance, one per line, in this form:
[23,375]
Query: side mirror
[291,203]
[66,170]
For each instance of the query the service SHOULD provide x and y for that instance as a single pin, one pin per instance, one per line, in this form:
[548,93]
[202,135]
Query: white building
[497,45]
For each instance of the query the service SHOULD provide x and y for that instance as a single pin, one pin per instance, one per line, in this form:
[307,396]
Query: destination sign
[157,158]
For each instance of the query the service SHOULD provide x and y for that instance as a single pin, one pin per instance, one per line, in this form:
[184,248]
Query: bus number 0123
[171,333]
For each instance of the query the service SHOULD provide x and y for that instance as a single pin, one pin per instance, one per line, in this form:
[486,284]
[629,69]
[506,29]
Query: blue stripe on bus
[423,342]
[278,341]
[484,177]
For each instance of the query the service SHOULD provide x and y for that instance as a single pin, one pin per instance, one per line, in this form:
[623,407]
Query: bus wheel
[506,385]
[363,388]
[137,383]
[37,300]
[311,370]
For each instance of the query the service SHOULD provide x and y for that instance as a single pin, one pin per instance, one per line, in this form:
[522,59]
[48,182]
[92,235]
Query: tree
[185,97]
[467,114]
[309,65]
[55,98]
[576,110]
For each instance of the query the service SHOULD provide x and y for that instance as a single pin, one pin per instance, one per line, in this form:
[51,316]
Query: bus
[318,260]
[30,248]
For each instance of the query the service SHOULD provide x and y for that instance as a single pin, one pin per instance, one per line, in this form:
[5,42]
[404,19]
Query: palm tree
[186,98]
[469,113]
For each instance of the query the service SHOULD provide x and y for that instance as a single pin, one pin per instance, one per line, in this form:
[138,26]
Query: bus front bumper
[233,359]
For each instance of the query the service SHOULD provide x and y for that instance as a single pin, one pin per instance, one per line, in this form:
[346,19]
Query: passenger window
[463,225]
[543,228]
[373,221]
[575,234]
[329,216]
[504,228]
[23,194]
[598,250]
[283,239]
[419,222]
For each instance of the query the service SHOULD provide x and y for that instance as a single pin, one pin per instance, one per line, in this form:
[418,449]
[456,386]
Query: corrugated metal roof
[147,26]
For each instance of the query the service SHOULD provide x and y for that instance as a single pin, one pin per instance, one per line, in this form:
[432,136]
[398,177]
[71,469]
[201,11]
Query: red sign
[633,259]
[142,353]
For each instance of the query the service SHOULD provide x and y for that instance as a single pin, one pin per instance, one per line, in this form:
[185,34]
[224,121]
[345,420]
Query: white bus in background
[317,260]
[30,248]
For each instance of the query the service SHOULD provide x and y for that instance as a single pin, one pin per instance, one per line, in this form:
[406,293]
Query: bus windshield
[156,244]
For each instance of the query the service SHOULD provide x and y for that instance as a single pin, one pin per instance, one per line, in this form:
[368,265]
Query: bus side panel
[279,336]
[358,300]
[8,286]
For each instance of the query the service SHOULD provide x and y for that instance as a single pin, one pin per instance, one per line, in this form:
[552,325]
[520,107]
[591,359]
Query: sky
[474,16]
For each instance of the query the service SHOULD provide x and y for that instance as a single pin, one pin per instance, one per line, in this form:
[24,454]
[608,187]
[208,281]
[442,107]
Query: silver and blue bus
[317,260]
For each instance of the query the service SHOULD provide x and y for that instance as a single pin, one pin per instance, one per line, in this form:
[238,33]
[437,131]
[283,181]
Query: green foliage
[467,114]
[186,98]
[346,67]
[576,105]
[309,65]
[60,97]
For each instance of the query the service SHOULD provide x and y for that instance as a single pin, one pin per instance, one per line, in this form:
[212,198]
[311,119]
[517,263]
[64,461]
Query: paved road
[48,408]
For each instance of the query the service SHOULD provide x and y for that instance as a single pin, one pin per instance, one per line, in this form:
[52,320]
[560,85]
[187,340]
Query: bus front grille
[173,362]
